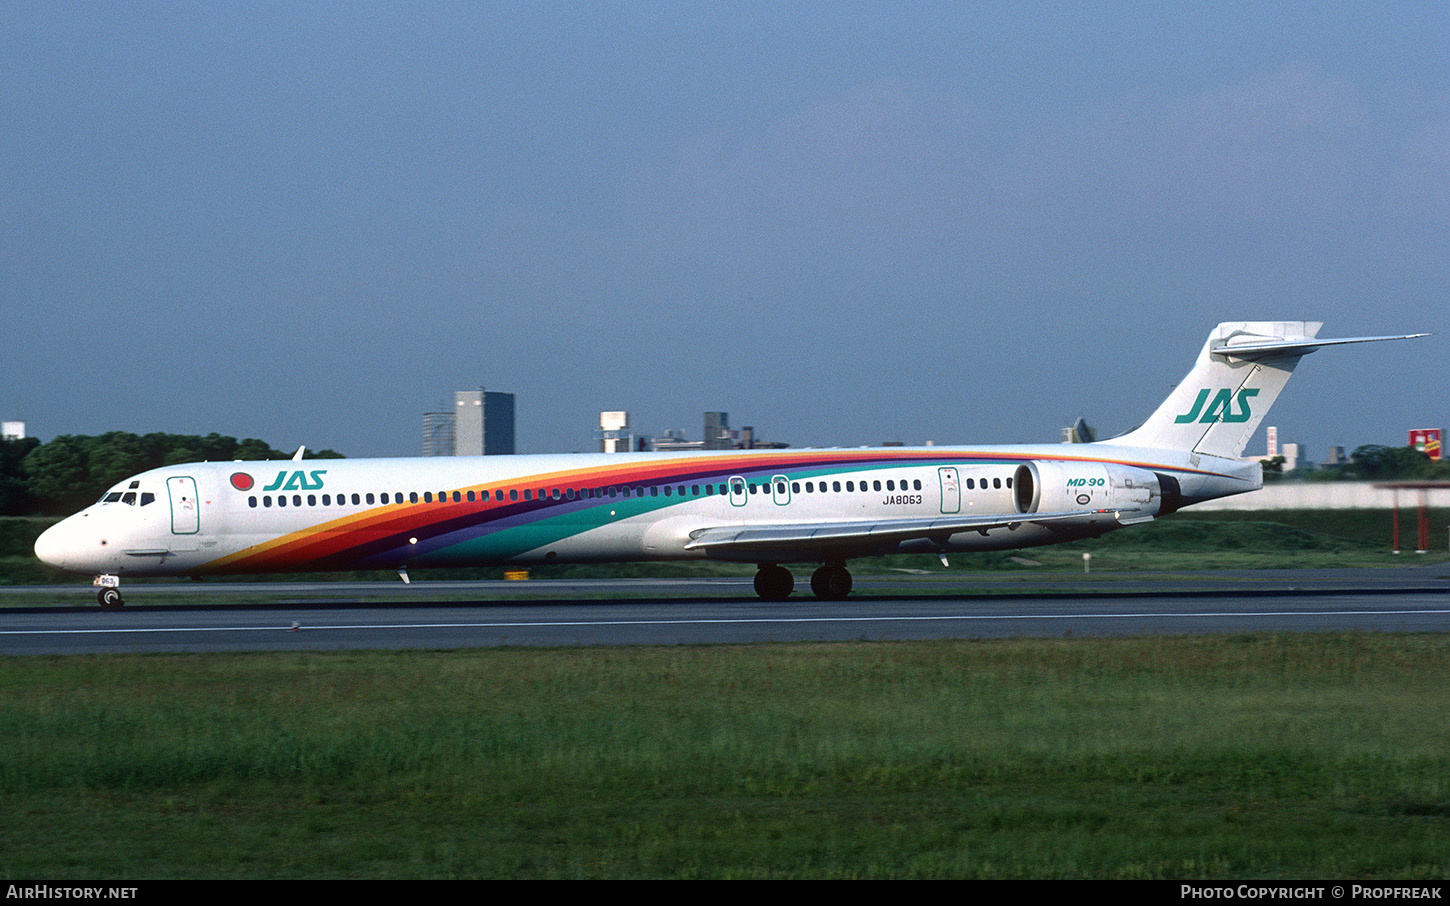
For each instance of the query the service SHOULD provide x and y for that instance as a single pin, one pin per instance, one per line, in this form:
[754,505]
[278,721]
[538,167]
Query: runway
[341,616]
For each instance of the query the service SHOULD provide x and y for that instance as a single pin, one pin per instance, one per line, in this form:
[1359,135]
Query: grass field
[1251,756]
[1255,756]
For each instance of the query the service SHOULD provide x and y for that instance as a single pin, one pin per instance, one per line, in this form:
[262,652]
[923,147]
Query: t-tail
[1239,373]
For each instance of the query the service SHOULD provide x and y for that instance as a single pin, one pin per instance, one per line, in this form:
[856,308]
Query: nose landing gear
[110,594]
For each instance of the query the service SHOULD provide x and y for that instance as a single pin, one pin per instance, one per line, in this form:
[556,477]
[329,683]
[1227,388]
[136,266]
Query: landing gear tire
[110,599]
[774,583]
[831,583]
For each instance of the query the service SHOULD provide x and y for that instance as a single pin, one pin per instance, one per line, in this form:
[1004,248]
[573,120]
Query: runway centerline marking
[544,624]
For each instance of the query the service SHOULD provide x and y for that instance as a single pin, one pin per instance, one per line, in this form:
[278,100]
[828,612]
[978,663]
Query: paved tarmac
[445,615]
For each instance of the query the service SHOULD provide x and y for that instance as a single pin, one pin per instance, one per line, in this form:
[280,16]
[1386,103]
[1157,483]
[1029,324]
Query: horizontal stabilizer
[1297,347]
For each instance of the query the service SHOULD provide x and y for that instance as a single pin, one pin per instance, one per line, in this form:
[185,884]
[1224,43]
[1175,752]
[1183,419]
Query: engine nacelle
[1062,487]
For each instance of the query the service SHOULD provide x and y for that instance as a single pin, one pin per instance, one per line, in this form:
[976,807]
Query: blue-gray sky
[842,223]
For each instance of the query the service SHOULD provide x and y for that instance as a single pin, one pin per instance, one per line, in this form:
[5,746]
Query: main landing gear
[832,582]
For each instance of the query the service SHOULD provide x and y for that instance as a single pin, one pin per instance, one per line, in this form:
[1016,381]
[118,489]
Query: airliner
[767,507]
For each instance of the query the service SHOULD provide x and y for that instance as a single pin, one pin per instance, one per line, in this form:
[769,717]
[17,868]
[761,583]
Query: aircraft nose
[53,547]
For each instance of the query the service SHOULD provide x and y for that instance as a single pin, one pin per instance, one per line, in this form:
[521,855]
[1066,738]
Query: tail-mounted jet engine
[1133,495]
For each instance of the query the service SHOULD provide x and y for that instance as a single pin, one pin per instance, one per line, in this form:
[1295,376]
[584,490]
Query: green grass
[1274,756]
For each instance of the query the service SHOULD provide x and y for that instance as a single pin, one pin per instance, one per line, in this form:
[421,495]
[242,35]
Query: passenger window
[312,500]
[252,502]
[370,500]
[876,485]
[267,501]
[296,499]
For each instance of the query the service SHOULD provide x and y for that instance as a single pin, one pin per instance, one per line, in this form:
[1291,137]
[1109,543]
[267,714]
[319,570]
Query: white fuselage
[284,516]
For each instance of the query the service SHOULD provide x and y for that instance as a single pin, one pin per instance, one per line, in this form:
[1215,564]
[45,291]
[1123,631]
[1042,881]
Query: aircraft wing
[809,536]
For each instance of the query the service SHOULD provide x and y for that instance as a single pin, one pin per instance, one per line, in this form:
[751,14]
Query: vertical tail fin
[1237,377]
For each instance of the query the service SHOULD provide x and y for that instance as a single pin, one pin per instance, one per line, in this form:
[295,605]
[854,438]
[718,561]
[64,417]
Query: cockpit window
[130,496]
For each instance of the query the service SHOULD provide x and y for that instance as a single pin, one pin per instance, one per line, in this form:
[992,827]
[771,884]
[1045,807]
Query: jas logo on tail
[1220,410]
[297,481]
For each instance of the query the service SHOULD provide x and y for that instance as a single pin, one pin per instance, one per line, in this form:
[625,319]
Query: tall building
[481,424]
[717,431]
[437,433]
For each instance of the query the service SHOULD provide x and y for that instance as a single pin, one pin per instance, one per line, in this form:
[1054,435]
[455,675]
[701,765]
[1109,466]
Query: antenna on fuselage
[298,455]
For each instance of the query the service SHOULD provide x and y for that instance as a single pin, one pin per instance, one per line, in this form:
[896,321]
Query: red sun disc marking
[241,481]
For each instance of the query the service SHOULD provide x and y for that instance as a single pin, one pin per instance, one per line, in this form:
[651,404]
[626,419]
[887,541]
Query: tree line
[1373,462]
[72,471]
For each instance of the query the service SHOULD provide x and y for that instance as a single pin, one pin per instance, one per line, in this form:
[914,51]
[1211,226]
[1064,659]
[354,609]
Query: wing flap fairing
[814,535]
